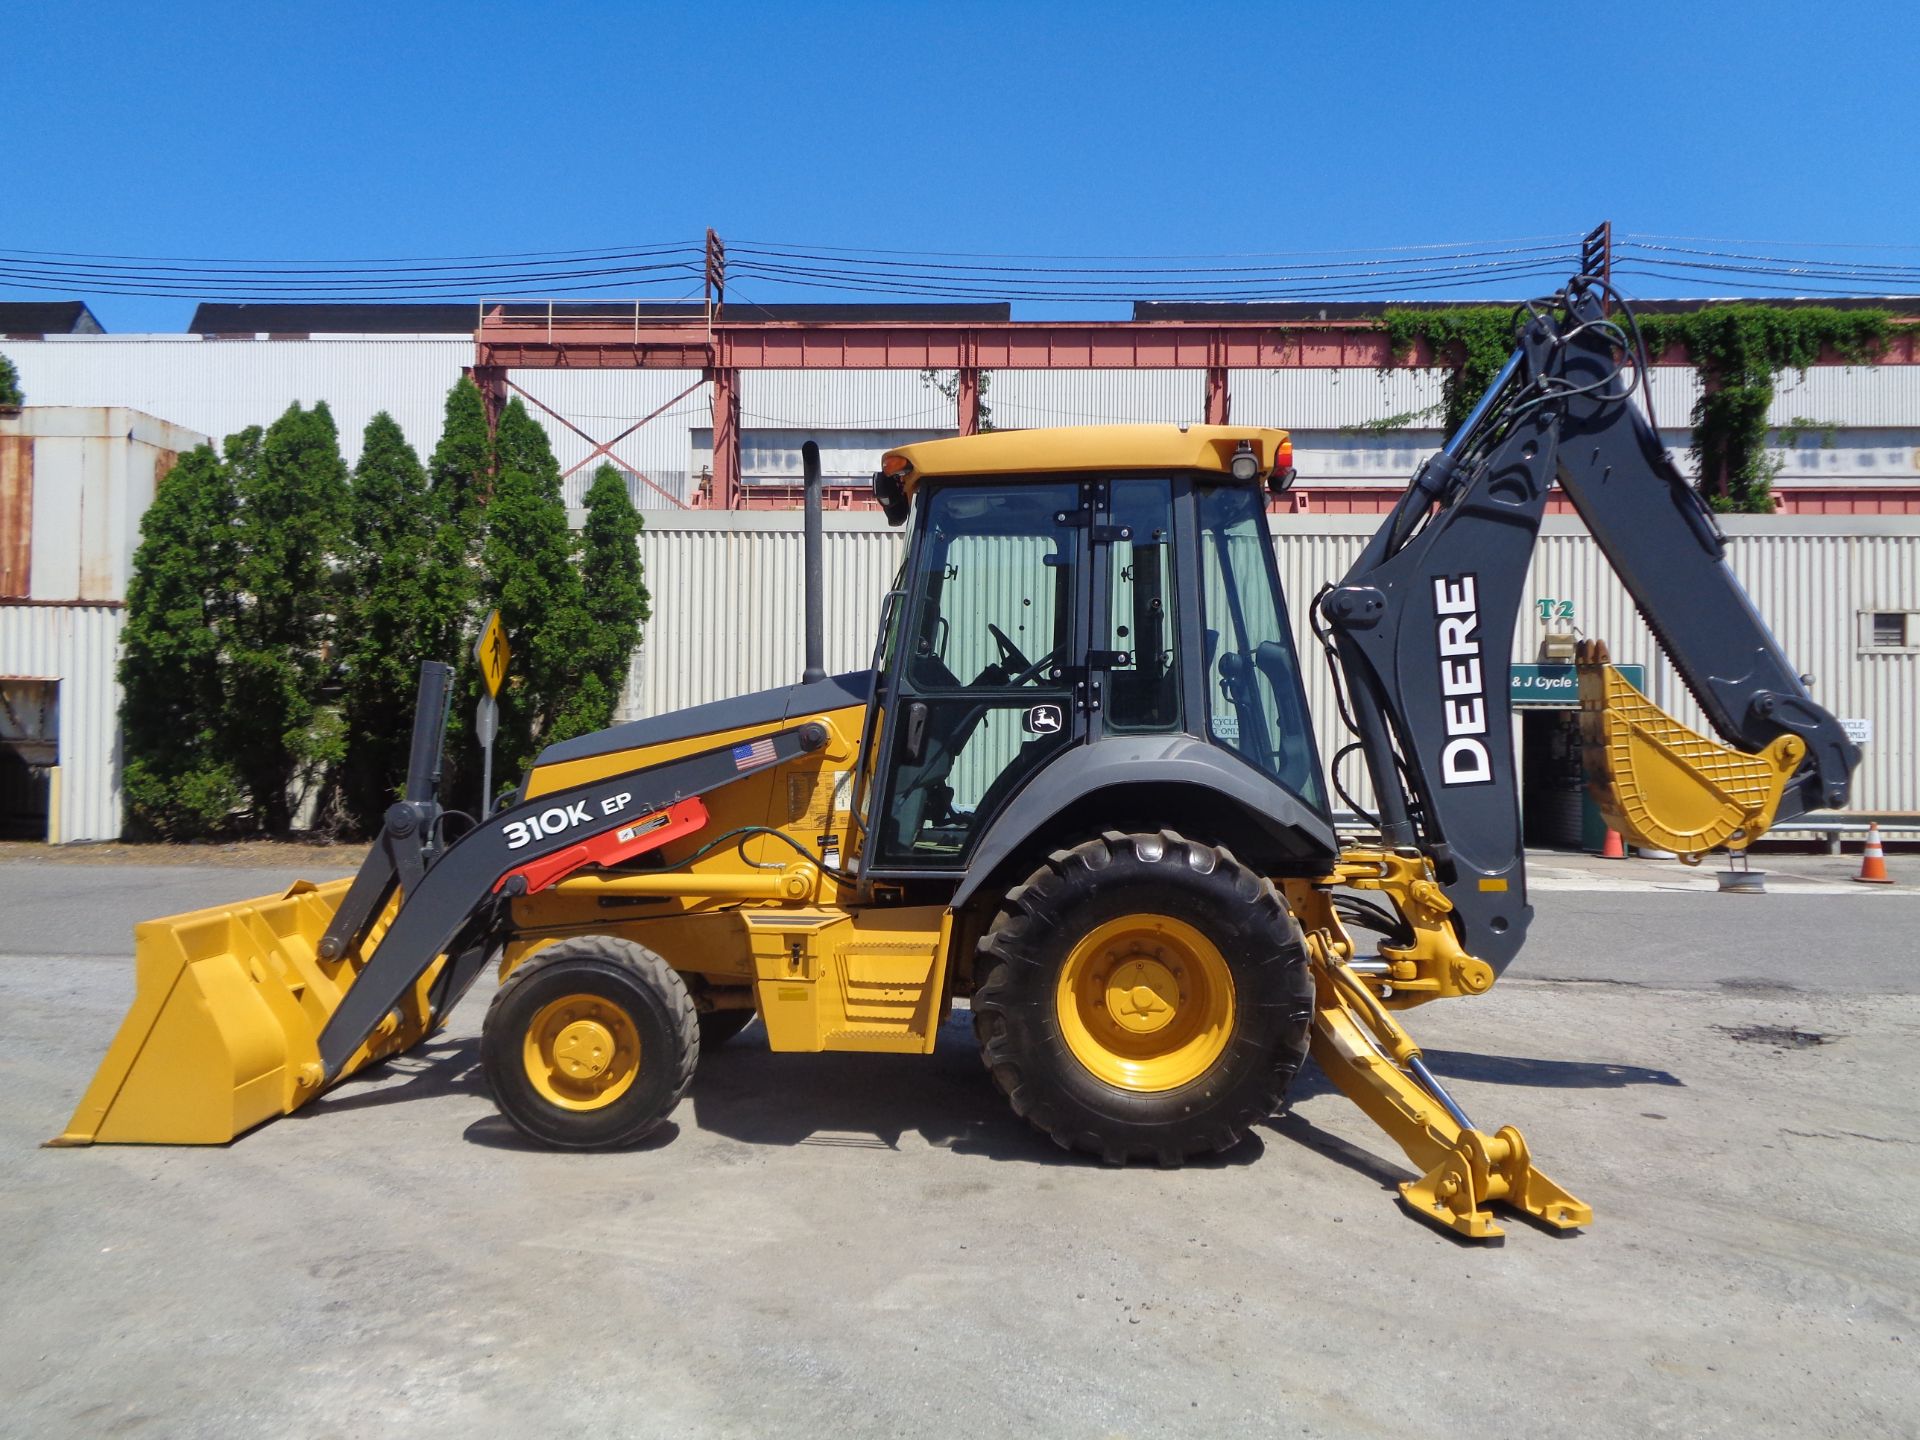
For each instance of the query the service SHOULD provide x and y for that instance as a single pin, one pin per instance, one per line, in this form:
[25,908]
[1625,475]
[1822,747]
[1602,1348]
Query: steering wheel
[1032,671]
[1010,655]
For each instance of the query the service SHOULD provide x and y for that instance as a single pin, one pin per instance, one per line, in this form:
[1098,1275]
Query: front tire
[590,1044]
[1144,997]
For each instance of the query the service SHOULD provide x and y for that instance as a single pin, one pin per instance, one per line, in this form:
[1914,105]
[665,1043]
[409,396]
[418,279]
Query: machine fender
[1179,761]
[765,707]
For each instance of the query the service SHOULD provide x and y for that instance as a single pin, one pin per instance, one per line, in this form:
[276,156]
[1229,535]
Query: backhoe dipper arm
[1423,622]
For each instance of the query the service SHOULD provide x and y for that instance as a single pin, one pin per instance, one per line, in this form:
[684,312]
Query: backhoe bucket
[227,1011]
[1667,787]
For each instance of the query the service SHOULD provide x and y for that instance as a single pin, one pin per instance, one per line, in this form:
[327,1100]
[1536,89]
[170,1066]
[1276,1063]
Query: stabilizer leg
[1375,1064]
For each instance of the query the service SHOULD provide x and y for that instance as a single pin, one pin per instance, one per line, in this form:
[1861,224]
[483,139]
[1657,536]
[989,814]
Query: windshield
[1255,704]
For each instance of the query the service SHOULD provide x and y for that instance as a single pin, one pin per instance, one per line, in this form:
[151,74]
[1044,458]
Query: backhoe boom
[1423,622]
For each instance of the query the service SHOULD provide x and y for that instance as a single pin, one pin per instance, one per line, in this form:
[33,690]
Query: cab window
[1256,706]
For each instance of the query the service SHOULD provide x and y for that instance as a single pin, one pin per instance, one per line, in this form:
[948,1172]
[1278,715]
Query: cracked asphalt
[856,1245]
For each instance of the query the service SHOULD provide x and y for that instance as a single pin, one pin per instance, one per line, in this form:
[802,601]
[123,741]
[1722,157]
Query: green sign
[1557,687]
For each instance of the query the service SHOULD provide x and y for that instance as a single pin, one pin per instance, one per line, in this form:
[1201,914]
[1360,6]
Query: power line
[1297,275]
[1056,270]
[1466,245]
[658,247]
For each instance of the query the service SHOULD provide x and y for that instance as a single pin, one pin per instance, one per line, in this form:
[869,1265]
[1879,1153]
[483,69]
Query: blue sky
[350,131]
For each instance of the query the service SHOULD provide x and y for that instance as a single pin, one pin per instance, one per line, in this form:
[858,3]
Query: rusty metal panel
[16,516]
[91,471]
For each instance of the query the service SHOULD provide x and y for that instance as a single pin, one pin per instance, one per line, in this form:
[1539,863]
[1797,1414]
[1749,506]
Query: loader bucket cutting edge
[224,1028]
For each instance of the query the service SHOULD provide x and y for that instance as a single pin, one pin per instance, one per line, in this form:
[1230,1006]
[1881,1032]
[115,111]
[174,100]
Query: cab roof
[1007,453]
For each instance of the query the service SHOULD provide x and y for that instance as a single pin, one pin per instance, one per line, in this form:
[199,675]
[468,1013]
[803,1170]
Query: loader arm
[539,839]
[1422,624]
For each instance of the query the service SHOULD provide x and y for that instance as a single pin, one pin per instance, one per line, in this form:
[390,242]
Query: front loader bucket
[1665,786]
[223,1033]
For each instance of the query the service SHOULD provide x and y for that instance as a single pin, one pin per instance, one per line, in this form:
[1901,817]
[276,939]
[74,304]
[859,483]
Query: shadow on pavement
[746,1093]
[1505,1070]
[1386,1173]
[496,1132]
[1549,1074]
[440,1067]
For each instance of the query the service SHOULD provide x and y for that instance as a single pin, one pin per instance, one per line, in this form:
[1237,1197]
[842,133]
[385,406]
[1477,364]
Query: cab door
[988,680]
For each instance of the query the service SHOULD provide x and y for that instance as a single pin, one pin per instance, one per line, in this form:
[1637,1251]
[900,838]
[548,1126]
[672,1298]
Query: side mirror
[890,492]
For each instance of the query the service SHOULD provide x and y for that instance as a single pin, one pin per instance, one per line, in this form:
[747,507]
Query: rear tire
[590,1044]
[1144,997]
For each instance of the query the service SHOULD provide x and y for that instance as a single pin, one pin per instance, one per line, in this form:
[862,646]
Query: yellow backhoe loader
[1077,789]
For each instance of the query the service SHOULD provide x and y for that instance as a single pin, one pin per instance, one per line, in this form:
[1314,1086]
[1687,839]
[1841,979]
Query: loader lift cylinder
[408,836]
[429,731]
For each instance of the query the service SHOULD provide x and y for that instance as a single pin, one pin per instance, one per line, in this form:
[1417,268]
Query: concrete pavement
[870,1245]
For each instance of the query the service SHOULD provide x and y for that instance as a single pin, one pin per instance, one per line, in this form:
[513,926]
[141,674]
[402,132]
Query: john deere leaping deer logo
[1043,720]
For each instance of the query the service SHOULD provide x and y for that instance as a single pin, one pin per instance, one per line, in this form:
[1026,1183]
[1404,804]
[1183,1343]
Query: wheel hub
[581,1052]
[1142,995]
[583,1049]
[1146,1002]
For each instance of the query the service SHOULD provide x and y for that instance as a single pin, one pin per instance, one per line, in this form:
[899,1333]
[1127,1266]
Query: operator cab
[1066,588]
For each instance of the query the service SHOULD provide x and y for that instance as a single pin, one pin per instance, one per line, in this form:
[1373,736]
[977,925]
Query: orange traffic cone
[1613,849]
[1873,860]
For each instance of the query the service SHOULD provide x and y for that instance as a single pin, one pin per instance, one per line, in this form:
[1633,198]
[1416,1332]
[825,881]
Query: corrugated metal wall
[728,620]
[78,645]
[220,386]
[605,402]
[727,613]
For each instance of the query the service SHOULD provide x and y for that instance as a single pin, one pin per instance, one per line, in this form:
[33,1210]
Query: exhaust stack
[816,668]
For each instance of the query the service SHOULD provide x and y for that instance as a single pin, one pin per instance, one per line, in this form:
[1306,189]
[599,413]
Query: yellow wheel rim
[1145,1002]
[582,1052]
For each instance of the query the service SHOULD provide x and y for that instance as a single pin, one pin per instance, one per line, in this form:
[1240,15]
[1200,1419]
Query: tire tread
[1031,910]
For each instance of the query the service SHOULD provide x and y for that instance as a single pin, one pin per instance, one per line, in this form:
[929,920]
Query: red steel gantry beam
[720,349]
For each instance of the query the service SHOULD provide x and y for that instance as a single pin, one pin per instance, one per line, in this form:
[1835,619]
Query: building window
[1884,630]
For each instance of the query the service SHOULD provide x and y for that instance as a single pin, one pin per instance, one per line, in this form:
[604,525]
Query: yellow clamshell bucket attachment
[228,1007]
[1665,786]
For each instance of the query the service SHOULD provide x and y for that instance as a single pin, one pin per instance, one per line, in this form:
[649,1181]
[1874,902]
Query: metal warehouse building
[74,482]
[1838,574]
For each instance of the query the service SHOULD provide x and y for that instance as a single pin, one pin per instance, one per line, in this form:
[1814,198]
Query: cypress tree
[461,472]
[10,394]
[529,574]
[293,495]
[392,532]
[178,778]
[616,603]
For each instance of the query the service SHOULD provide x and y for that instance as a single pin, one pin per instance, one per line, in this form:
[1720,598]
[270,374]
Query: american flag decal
[747,757]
